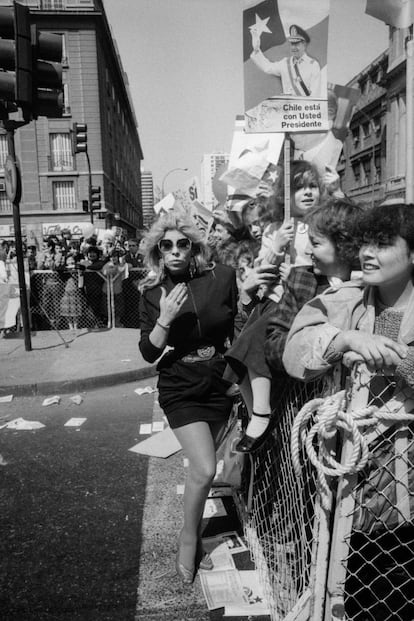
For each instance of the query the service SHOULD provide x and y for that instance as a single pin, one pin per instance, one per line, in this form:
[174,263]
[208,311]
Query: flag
[397,13]
[266,14]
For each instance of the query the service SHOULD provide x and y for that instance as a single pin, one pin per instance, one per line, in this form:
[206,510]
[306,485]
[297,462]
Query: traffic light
[31,60]
[79,138]
[48,97]
[16,56]
[85,206]
[95,198]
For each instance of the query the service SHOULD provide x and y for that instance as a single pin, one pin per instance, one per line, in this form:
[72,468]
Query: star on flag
[260,26]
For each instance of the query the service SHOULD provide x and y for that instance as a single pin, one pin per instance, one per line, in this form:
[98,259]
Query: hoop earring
[192,267]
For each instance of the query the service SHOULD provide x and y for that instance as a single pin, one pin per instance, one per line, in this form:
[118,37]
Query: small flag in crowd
[397,13]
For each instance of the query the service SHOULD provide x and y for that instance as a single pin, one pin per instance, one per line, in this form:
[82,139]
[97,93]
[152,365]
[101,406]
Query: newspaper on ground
[221,588]
[219,554]
[230,539]
[147,390]
[214,507]
[256,604]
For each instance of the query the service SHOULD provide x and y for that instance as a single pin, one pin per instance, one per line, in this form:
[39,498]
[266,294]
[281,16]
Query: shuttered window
[64,195]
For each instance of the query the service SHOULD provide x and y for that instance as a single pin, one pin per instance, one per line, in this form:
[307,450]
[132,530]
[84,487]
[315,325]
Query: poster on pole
[285,46]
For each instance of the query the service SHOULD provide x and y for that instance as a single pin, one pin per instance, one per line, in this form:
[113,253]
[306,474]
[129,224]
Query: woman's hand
[378,352]
[171,304]
[283,236]
[264,274]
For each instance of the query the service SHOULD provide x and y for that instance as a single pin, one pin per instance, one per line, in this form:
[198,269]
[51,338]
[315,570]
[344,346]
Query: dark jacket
[206,318]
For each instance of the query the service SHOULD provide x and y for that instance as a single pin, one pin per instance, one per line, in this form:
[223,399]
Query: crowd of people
[265,297]
[71,279]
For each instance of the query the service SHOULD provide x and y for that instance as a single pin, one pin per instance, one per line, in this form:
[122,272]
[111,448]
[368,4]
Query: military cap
[296,34]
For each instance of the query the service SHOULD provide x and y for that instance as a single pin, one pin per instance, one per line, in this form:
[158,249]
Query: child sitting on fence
[246,357]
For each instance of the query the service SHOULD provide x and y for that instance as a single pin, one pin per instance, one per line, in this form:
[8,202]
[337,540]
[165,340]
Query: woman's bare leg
[198,442]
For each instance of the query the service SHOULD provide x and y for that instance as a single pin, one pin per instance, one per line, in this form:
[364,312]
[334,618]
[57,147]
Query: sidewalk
[70,362]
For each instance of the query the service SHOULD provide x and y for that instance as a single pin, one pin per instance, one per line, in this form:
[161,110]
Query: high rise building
[96,93]
[211,164]
[147,195]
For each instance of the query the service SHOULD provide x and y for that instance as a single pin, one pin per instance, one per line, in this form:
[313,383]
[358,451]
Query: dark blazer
[301,286]
[206,318]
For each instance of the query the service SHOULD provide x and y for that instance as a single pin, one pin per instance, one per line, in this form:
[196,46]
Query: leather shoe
[247,444]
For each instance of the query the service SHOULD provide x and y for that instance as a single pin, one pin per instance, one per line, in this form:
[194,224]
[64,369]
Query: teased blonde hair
[173,220]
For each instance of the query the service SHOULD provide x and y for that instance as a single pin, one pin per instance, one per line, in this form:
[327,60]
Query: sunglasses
[166,245]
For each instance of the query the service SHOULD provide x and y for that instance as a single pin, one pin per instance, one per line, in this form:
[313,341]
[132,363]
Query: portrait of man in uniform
[299,73]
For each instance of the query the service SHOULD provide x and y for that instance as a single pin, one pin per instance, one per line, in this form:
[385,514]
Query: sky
[184,63]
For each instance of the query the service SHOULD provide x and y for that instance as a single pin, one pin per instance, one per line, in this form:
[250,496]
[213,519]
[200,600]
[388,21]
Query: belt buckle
[206,352]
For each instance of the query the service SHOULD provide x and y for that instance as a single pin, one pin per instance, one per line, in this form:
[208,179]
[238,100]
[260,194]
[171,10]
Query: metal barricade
[75,298]
[331,526]
[68,299]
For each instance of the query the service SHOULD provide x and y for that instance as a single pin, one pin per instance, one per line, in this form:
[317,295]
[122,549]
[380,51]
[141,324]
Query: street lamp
[165,176]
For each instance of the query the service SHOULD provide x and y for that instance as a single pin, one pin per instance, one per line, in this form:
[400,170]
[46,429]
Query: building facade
[212,164]
[55,183]
[147,190]
[373,161]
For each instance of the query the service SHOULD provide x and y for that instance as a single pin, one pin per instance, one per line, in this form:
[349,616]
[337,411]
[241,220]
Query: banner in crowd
[397,13]
[285,65]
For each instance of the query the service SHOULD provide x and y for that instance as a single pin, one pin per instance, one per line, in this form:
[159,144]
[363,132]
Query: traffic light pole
[12,180]
[89,186]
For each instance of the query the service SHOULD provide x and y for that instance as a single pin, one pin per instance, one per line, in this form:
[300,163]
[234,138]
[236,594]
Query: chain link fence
[331,523]
[75,298]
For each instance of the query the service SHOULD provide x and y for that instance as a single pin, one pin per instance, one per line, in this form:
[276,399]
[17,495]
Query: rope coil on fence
[329,415]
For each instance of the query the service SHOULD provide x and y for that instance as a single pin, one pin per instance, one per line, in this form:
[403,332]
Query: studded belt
[199,355]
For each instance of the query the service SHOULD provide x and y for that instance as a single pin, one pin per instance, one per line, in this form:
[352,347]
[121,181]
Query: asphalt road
[72,501]
[88,528]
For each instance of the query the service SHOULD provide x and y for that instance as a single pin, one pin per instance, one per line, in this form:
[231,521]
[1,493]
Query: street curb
[78,385]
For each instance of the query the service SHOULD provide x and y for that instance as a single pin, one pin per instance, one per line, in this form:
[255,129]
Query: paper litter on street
[231,539]
[144,391]
[214,507]
[145,428]
[77,399]
[256,602]
[161,444]
[20,424]
[6,399]
[75,422]
[51,400]
[180,489]
[158,426]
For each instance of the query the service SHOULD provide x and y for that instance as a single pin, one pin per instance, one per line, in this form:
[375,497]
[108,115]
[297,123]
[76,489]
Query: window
[53,5]
[366,164]
[64,195]
[61,152]
[5,204]
[355,136]
[357,173]
[4,150]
